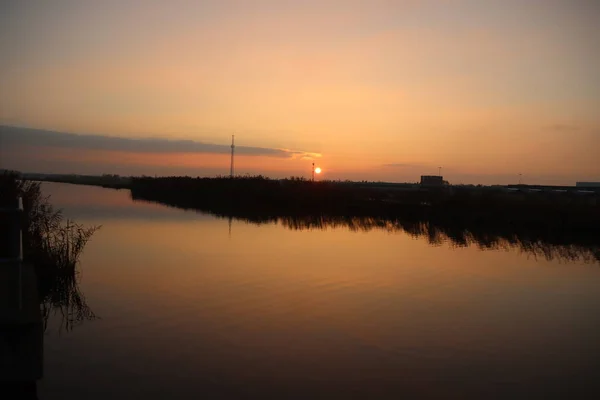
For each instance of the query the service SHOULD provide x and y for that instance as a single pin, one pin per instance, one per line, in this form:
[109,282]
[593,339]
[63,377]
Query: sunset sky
[378,90]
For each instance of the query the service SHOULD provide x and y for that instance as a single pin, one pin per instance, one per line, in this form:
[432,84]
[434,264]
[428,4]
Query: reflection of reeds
[454,234]
[437,235]
[60,295]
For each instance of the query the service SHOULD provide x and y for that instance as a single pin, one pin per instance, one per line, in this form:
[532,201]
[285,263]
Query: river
[188,305]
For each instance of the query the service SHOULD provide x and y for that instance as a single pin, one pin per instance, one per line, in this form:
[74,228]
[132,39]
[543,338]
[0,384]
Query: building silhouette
[432,180]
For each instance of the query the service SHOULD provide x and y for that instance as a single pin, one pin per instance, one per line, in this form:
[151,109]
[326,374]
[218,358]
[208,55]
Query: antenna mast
[232,149]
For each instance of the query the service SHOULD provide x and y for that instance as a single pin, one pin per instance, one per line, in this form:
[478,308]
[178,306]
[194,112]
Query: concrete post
[11,242]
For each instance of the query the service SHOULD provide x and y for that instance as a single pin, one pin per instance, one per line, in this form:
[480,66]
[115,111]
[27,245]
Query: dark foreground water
[191,306]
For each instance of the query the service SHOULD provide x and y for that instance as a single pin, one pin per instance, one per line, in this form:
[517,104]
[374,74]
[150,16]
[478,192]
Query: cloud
[17,136]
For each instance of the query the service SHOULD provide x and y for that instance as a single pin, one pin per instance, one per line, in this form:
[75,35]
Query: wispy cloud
[17,136]
[301,155]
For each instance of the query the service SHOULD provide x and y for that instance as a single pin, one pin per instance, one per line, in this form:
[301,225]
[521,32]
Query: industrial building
[432,180]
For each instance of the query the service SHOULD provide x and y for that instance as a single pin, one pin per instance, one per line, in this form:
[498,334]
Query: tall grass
[55,247]
[52,243]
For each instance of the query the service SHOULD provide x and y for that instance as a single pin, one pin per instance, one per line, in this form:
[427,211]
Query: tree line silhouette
[550,225]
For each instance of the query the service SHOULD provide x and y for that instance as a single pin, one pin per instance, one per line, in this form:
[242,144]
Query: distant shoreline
[124,182]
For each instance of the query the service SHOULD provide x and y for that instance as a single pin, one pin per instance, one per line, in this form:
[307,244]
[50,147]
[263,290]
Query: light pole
[440,171]
[232,150]
[313,172]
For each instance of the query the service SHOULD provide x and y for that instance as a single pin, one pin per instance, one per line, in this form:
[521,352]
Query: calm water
[192,306]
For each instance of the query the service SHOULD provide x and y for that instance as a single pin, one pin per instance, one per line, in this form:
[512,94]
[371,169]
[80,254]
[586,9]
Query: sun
[317,170]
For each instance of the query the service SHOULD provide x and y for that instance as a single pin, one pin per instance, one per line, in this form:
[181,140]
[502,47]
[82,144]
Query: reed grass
[53,244]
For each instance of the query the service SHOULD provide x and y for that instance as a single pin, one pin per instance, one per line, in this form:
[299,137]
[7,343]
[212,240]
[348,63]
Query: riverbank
[106,181]
[488,217]
[262,197]
[38,235]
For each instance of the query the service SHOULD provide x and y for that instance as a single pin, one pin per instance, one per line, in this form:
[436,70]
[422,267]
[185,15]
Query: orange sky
[383,90]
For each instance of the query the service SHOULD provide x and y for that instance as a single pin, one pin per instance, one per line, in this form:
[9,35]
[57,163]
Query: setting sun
[317,170]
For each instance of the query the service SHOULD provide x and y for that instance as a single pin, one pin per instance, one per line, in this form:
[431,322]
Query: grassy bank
[263,198]
[486,216]
[53,245]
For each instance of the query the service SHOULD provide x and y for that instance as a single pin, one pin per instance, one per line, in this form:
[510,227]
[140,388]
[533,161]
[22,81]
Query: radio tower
[232,149]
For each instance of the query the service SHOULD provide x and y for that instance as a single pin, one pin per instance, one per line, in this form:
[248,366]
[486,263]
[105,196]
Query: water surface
[193,306]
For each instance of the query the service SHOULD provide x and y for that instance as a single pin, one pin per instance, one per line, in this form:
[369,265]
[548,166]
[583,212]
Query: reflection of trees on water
[61,296]
[536,244]
[486,239]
